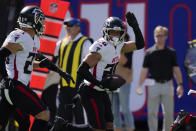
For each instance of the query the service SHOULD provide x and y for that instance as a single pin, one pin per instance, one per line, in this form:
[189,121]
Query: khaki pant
[160,93]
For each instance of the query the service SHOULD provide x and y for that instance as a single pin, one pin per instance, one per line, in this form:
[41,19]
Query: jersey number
[109,69]
[28,63]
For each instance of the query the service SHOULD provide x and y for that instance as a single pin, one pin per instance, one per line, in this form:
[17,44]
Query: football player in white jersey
[102,60]
[17,60]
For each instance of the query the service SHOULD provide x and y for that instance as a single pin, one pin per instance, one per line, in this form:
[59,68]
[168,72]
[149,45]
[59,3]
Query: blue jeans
[122,99]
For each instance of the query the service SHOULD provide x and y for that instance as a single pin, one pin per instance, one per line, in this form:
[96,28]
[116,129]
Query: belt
[162,81]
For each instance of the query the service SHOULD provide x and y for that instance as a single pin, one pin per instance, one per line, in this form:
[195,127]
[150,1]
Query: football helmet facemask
[32,17]
[114,24]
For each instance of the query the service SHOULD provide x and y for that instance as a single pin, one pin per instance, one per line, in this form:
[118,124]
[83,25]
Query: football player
[182,119]
[17,60]
[101,61]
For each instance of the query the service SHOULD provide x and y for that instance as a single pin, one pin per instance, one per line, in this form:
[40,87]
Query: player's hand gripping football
[112,82]
[131,20]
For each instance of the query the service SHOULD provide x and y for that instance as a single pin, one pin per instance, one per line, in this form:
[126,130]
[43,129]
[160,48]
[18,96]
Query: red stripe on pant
[21,89]
[96,111]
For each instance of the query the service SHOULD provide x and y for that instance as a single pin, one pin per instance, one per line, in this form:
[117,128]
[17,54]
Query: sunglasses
[158,36]
[69,25]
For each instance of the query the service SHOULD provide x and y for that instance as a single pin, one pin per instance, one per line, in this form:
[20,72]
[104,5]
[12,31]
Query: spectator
[121,96]
[162,63]
[101,61]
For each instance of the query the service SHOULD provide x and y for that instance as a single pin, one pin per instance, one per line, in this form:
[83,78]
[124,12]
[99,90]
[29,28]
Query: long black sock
[39,125]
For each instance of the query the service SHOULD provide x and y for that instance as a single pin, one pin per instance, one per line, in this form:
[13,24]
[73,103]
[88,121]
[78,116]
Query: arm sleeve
[139,40]
[83,72]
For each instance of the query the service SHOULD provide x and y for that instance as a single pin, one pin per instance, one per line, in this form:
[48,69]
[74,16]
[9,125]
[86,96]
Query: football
[113,81]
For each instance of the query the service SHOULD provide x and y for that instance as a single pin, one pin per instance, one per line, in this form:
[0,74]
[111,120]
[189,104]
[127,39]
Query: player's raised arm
[139,40]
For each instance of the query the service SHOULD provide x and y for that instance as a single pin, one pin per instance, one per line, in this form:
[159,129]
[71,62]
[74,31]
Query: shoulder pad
[16,36]
[102,42]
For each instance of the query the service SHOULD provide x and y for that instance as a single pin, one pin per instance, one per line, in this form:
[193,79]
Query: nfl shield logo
[53,8]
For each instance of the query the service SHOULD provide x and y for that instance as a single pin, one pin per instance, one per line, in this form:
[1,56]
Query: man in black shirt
[162,63]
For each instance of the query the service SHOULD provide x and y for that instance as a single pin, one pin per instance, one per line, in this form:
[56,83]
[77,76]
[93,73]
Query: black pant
[49,97]
[23,98]
[65,109]
[98,107]
[23,119]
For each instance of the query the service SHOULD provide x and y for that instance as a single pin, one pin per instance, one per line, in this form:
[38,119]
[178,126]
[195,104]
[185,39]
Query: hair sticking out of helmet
[32,17]
[114,24]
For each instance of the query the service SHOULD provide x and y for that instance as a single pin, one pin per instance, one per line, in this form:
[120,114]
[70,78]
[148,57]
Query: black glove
[48,64]
[131,20]
[66,76]
[106,84]
[45,63]
[59,124]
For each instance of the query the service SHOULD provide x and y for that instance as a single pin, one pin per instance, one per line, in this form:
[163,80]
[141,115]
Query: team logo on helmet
[32,17]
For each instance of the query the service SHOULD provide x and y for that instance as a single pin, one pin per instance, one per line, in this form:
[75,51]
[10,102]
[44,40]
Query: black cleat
[180,120]
[59,124]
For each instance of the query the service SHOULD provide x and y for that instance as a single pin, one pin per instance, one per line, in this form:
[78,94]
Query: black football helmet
[113,24]
[32,17]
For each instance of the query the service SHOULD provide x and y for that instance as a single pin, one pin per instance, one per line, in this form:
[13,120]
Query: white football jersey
[20,65]
[109,58]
